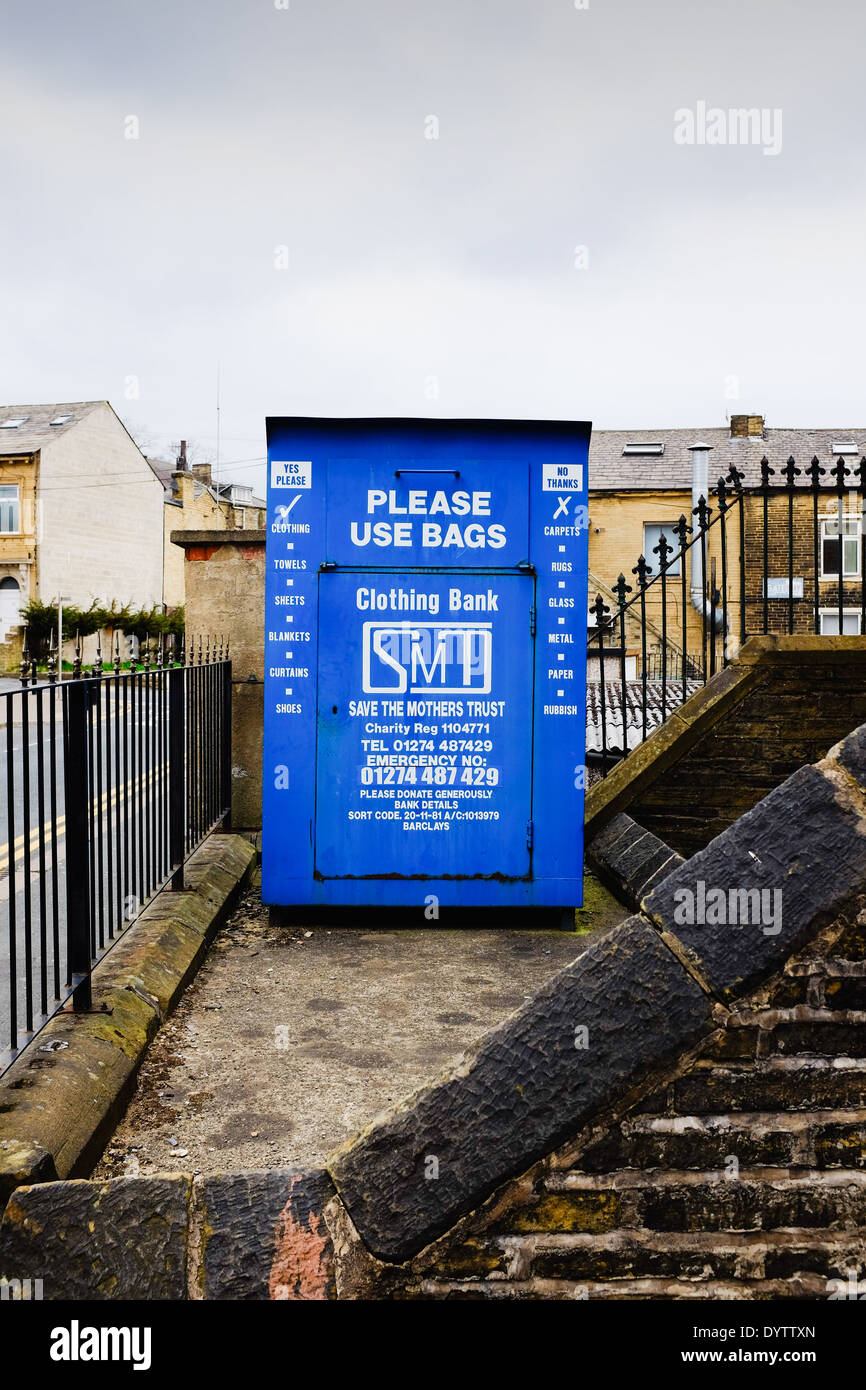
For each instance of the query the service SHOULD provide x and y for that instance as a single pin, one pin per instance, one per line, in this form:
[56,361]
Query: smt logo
[448,658]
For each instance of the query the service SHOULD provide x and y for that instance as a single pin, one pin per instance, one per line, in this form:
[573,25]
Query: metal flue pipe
[700,453]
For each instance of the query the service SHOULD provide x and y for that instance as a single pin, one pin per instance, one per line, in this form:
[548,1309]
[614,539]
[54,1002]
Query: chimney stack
[181,459]
[747,426]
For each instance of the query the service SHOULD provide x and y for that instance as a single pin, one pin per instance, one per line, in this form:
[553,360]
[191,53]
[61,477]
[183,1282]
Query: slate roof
[221,492]
[37,429]
[633,711]
[610,471]
[163,469]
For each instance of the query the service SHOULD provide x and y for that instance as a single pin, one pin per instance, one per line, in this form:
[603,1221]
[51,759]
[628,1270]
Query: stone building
[80,512]
[194,501]
[642,482]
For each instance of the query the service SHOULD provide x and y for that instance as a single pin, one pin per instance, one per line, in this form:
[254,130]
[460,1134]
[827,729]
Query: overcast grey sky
[414,264]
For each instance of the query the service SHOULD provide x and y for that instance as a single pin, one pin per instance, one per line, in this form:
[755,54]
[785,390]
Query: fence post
[226,745]
[176,775]
[736,478]
[77,796]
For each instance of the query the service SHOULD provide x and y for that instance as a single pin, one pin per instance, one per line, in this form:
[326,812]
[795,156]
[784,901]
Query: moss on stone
[570,1211]
[600,911]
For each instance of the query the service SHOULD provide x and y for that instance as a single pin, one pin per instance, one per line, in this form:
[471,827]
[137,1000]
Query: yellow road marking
[106,801]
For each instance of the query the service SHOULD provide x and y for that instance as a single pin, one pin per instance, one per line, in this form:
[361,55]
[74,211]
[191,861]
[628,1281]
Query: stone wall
[225,597]
[194,507]
[680,1112]
[62,1097]
[802,528]
[744,1177]
[782,702]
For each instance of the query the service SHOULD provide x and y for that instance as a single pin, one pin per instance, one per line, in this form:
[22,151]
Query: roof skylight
[643,448]
[13,423]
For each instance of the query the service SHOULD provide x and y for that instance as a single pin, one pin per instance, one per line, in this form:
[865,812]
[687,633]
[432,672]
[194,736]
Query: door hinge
[532,616]
[530,834]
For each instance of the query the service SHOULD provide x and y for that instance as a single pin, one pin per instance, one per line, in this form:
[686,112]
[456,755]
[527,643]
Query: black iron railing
[113,778]
[818,528]
[779,556]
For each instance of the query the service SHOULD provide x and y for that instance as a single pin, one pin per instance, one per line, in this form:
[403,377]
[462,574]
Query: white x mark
[561,507]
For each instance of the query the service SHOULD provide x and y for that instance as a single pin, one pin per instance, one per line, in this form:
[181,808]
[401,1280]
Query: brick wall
[803,700]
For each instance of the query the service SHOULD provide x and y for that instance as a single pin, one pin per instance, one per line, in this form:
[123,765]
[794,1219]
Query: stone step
[839,982]
[773,1083]
[802,1138]
[808,1286]
[828,1037]
[791,1032]
[832,1255]
[758,1199]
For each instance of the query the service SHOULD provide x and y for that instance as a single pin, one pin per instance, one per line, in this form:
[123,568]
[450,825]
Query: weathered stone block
[851,944]
[819,1039]
[734,1045]
[832,1257]
[473,1259]
[22,1163]
[568,1212]
[603,843]
[713,1092]
[846,993]
[623,1008]
[692,1146]
[124,1239]
[803,843]
[630,858]
[747,1205]
[851,754]
[263,1236]
[841,1144]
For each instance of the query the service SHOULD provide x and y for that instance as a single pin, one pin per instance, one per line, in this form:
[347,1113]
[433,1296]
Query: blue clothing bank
[425,663]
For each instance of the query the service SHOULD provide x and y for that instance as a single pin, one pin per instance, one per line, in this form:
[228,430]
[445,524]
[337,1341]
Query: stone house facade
[641,482]
[195,501]
[80,511]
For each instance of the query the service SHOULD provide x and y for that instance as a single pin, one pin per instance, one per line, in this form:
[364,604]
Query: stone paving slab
[289,1041]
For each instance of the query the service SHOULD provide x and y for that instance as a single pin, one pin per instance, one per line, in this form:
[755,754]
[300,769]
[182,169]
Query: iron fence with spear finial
[783,551]
[113,778]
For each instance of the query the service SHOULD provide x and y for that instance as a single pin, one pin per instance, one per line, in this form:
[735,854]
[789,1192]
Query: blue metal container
[425,663]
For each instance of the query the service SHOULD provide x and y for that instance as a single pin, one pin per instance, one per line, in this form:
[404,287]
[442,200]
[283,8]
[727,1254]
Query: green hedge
[40,619]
